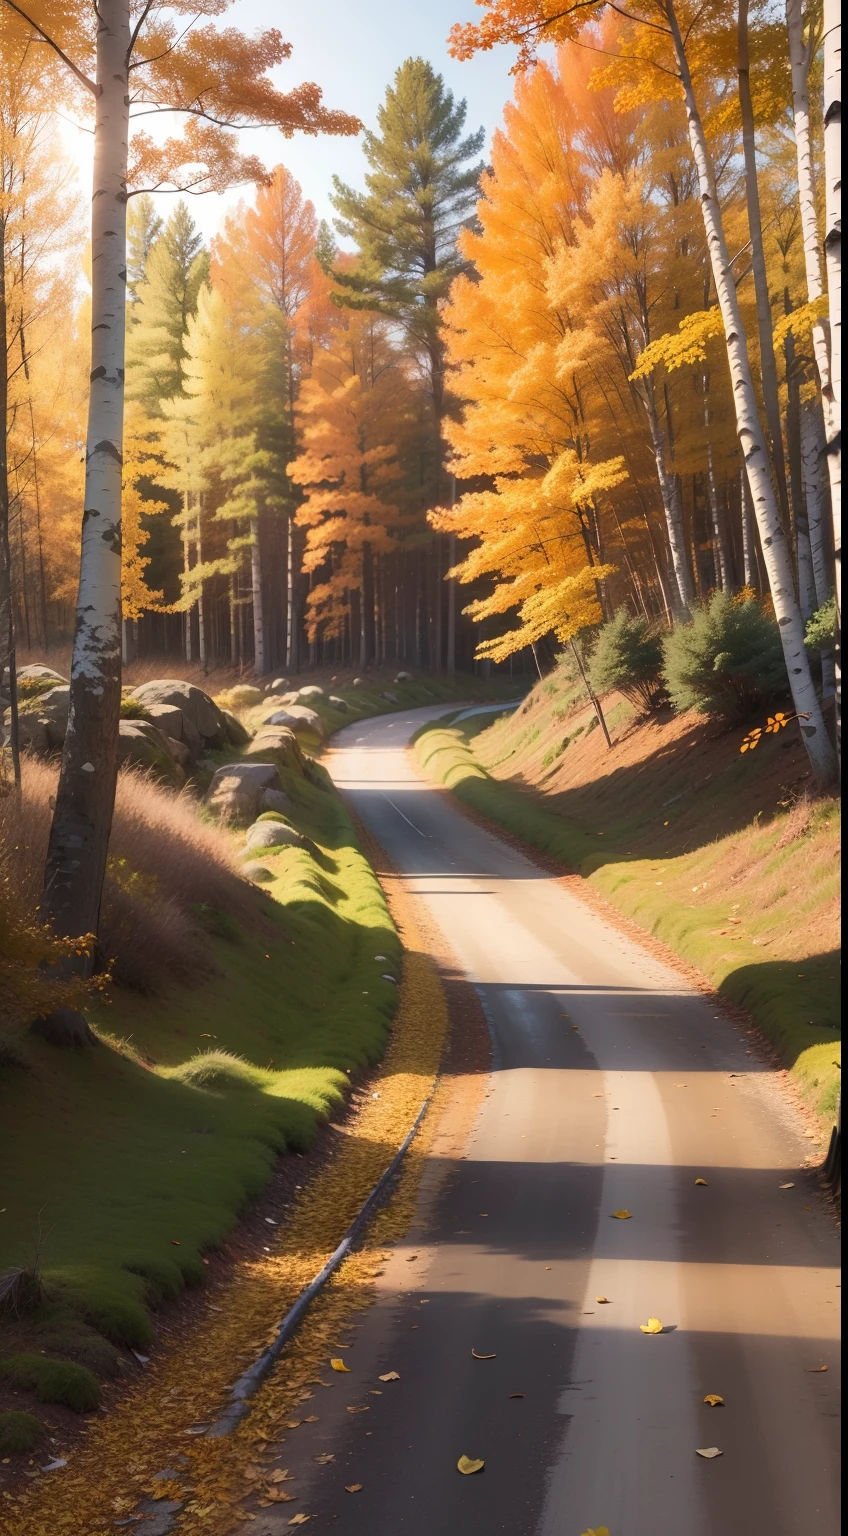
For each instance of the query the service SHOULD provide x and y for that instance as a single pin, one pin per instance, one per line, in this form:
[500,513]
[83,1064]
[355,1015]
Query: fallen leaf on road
[653,1325]
[786,1186]
[175,1242]
[279,1496]
[389,1376]
[518,1394]
[362,1408]
[327,1457]
[621,1215]
[313,1419]
[339,1365]
[710,1452]
[300,1519]
[700,1181]
[410,1257]
[483,1357]
[353,1487]
[813,1370]
[468,1464]
[293,1424]
[602,1300]
[597,1530]
[283,1475]
[714,1400]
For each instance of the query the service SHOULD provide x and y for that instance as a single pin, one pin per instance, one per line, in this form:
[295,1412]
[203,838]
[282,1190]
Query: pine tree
[175,268]
[144,227]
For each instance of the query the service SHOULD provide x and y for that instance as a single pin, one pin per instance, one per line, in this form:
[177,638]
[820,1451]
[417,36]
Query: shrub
[133,709]
[31,688]
[243,696]
[20,1432]
[53,1381]
[727,661]
[628,655]
[821,627]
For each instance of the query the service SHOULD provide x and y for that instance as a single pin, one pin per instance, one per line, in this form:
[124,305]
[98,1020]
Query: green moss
[20,1432]
[53,1381]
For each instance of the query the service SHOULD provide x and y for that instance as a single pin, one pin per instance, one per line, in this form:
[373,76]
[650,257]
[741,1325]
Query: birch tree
[833,259]
[527,23]
[142,58]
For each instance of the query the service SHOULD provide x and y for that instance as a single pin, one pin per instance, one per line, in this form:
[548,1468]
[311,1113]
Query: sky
[351,49]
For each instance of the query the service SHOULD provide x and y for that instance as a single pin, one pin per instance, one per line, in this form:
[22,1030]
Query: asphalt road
[611,1089]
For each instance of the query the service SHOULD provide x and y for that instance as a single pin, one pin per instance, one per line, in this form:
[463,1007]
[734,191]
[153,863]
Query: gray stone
[194,703]
[174,723]
[32,731]
[275,800]
[141,744]
[391,698]
[258,872]
[235,791]
[337,703]
[279,685]
[310,692]
[280,741]
[237,734]
[299,719]
[44,722]
[273,834]
[404,677]
[180,753]
[36,670]
[359,682]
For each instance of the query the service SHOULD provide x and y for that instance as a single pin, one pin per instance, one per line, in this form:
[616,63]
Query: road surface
[611,1089]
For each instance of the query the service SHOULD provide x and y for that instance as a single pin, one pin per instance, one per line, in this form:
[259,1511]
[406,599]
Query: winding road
[614,1086]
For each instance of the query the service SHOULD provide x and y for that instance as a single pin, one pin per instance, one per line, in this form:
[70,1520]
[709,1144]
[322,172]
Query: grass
[20,1432]
[725,858]
[53,1381]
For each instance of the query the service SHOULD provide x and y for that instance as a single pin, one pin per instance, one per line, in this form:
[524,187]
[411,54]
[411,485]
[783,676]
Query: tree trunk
[749,560]
[833,259]
[670,493]
[753,443]
[291,600]
[768,363]
[85,796]
[813,455]
[7,623]
[201,610]
[719,544]
[258,613]
[595,701]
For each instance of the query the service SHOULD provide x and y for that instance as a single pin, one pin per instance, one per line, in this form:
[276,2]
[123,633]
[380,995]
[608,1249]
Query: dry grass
[169,872]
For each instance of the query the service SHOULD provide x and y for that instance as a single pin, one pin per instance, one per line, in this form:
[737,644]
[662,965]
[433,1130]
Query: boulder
[280,741]
[173,722]
[299,719]
[258,872]
[311,692]
[404,677]
[32,732]
[359,682]
[36,671]
[391,698]
[338,703]
[141,744]
[237,734]
[196,705]
[48,715]
[273,834]
[236,789]
[275,800]
[181,755]
[279,685]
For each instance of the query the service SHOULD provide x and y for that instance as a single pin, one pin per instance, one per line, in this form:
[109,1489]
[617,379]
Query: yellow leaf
[597,1530]
[653,1325]
[389,1376]
[299,1519]
[279,1496]
[339,1365]
[621,1215]
[710,1452]
[282,1475]
[353,1487]
[786,1186]
[602,1300]
[467,1464]
[700,1181]
[483,1357]
[714,1400]
[813,1370]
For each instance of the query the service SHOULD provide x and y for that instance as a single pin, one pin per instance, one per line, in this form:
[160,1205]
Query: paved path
[611,1088]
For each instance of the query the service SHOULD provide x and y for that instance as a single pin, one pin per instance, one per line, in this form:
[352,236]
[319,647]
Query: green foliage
[628,655]
[31,688]
[274,816]
[175,268]
[821,628]
[133,709]
[53,1381]
[727,661]
[20,1432]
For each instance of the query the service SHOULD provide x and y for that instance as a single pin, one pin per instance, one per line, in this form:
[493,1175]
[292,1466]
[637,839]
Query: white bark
[775,549]
[671,506]
[186,569]
[201,617]
[833,261]
[256,586]
[720,551]
[76,857]
[800,59]
[813,456]
[749,558]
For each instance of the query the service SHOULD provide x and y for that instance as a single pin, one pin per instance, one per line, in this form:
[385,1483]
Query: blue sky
[351,48]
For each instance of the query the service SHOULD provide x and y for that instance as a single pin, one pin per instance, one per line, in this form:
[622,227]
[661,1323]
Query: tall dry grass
[169,872]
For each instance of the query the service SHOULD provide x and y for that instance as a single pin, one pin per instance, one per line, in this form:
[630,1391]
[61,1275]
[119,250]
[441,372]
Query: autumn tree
[131,56]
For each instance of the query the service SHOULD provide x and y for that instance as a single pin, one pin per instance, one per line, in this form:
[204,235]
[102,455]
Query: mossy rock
[53,1381]
[133,709]
[273,816]
[20,1432]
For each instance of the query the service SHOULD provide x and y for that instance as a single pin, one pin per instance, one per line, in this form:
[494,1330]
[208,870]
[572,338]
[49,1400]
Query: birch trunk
[85,796]
[7,623]
[258,613]
[669,492]
[749,563]
[833,260]
[201,615]
[752,441]
[186,569]
[813,455]
[719,545]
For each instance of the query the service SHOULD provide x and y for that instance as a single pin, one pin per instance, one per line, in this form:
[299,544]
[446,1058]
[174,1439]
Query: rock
[391,697]
[359,682]
[36,671]
[280,741]
[275,800]
[258,872]
[141,744]
[173,722]
[299,719]
[32,731]
[237,734]
[338,703]
[312,692]
[236,789]
[404,677]
[279,685]
[273,834]
[196,705]
[47,717]
[180,753]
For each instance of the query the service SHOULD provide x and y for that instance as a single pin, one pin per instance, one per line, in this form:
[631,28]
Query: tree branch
[83,78]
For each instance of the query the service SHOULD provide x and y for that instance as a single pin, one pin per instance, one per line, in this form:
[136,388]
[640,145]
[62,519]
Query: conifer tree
[144,227]
[176,266]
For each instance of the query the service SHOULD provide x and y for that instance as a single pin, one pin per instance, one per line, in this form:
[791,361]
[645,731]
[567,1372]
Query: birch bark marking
[256,588]
[79,836]
[833,260]
[752,440]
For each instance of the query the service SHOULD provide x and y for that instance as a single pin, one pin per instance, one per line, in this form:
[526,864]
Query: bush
[53,1381]
[133,709]
[821,628]
[628,655]
[20,1432]
[727,661]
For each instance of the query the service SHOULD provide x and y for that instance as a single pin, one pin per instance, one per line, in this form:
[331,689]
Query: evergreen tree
[421,191]
[175,270]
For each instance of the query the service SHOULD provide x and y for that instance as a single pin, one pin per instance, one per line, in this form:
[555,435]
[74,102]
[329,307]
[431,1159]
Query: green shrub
[133,709]
[628,655]
[727,661]
[30,688]
[53,1381]
[20,1432]
[821,628]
